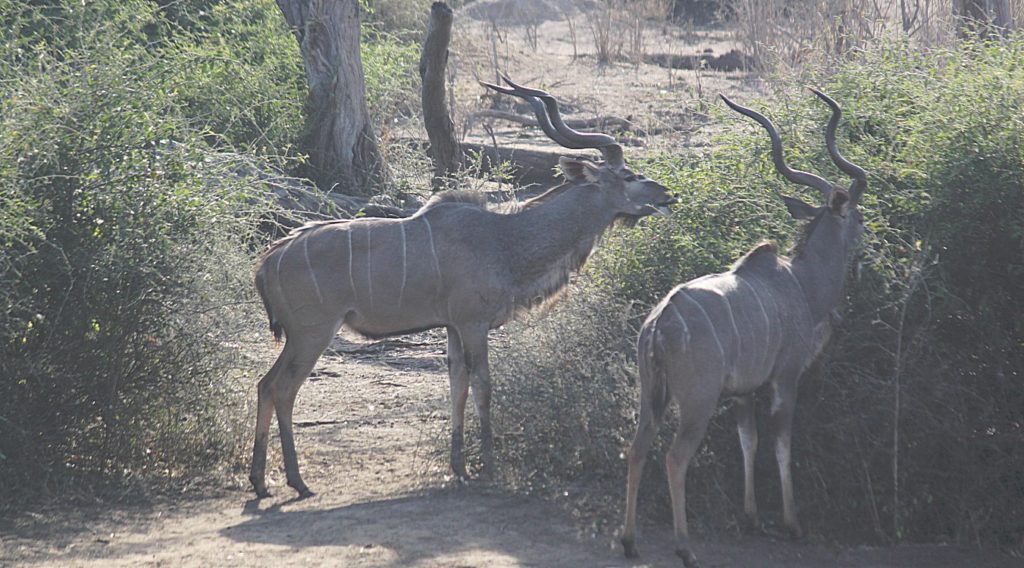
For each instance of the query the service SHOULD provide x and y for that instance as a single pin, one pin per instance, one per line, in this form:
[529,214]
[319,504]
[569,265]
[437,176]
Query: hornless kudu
[763,321]
[454,264]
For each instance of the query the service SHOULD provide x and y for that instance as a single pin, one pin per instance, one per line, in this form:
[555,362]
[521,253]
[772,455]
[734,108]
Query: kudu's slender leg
[652,410]
[458,377]
[781,424]
[264,412]
[746,424]
[474,344]
[694,414]
[306,349]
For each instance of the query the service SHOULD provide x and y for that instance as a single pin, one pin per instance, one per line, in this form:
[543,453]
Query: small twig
[596,122]
[310,423]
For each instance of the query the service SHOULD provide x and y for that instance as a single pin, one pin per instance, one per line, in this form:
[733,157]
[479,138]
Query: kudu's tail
[650,362]
[275,326]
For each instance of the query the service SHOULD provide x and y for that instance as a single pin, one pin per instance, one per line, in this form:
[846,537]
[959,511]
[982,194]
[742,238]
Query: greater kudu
[454,264]
[763,321]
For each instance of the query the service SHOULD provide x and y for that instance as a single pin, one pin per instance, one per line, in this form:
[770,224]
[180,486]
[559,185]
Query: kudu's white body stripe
[280,257]
[714,331]
[369,255]
[433,252]
[351,278]
[739,339]
[405,266]
[309,266]
[764,314]
[682,320]
[796,280]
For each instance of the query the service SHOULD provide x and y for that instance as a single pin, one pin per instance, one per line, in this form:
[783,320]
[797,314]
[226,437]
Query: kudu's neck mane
[551,238]
[819,263]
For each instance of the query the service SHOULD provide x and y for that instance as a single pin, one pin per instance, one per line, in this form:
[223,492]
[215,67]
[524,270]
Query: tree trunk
[444,147]
[1003,16]
[984,18]
[340,141]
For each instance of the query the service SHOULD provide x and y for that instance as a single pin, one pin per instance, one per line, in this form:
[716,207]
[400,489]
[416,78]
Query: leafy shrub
[125,265]
[392,79]
[911,430]
[242,78]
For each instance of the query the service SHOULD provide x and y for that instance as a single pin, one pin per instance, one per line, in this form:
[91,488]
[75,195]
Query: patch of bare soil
[370,423]
[656,80]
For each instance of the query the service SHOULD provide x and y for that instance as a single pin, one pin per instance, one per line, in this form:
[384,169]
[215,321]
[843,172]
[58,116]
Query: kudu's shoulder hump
[461,197]
[764,256]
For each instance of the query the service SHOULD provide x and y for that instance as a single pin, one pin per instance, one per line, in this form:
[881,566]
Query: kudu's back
[383,276]
[725,334]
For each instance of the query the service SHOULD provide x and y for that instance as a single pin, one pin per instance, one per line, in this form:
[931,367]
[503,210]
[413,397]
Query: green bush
[912,429]
[392,78]
[125,267]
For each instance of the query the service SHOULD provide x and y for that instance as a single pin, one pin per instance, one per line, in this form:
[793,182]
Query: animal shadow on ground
[428,526]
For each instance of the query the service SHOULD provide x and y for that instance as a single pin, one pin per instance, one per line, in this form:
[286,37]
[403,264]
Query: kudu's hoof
[260,487]
[795,532]
[689,558]
[459,471]
[485,475]
[304,492]
[629,548]
[750,526]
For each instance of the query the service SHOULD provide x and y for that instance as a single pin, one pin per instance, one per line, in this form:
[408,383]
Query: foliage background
[133,139]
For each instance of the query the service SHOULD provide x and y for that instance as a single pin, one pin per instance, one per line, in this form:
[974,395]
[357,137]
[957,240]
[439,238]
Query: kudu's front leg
[458,377]
[781,424]
[474,343]
[746,425]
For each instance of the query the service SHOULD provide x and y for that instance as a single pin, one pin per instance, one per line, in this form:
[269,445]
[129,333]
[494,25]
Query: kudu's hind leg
[458,377]
[264,412]
[694,414]
[307,348]
[746,425]
[652,410]
[781,424]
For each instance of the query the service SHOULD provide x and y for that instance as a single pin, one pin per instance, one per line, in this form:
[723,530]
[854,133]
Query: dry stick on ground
[444,147]
[600,122]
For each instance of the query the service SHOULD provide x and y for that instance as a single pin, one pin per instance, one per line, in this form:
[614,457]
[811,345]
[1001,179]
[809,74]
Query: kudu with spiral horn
[725,335]
[455,264]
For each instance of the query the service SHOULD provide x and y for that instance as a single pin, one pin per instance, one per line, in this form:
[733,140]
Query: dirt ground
[368,424]
[371,420]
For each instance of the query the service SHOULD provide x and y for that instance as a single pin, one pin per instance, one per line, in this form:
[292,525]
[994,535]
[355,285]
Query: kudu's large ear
[798,209]
[578,170]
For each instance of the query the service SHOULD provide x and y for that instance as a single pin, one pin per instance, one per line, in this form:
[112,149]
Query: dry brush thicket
[788,35]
